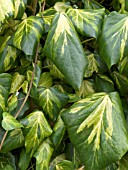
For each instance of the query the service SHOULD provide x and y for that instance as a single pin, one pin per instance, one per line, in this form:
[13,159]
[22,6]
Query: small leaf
[62,6]
[20,6]
[65,164]
[14,139]
[102,83]
[52,101]
[87,22]
[58,132]
[36,129]
[92,128]
[17,81]
[24,159]
[6,10]
[27,35]
[43,155]
[113,41]
[91,4]
[9,122]
[64,48]
[7,162]
[12,102]
[45,80]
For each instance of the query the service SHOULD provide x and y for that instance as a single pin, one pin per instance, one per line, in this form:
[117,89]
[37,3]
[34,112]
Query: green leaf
[24,159]
[52,101]
[112,167]
[14,139]
[121,82]
[20,6]
[45,80]
[12,102]
[103,83]
[65,164]
[43,155]
[7,162]
[47,22]
[8,55]
[123,67]
[96,126]
[17,81]
[86,89]
[92,66]
[87,22]
[36,129]
[113,41]
[6,10]
[123,163]
[28,35]
[9,122]
[58,132]
[64,48]
[62,6]
[91,4]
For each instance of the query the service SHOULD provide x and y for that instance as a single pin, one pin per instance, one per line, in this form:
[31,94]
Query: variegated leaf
[52,101]
[113,41]
[28,35]
[6,10]
[20,6]
[64,48]
[87,22]
[96,126]
[36,129]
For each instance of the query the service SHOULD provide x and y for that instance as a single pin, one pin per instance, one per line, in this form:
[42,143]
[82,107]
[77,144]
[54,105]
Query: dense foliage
[63,85]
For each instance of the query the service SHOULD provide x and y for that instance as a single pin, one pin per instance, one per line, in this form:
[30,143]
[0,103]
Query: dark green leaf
[7,162]
[102,83]
[123,163]
[27,35]
[64,48]
[112,167]
[9,122]
[113,41]
[20,6]
[36,129]
[91,4]
[24,159]
[87,22]
[58,132]
[123,67]
[43,155]
[121,82]
[14,139]
[52,101]
[6,10]
[96,126]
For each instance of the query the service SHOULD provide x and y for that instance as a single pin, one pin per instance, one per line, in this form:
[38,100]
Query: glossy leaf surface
[92,128]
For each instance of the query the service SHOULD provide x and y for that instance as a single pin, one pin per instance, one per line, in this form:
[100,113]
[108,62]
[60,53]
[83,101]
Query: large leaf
[64,48]
[96,126]
[87,22]
[27,35]
[9,122]
[14,139]
[113,41]
[43,155]
[36,129]
[6,10]
[8,55]
[20,6]
[52,101]
[7,162]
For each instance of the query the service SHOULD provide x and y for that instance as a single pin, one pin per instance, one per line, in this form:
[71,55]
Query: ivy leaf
[12,102]
[7,162]
[62,6]
[123,67]
[9,122]
[65,164]
[20,6]
[123,163]
[14,139]
[24,159]
[91,4]
[58,132]
[17,81]
[64,48]
[52,101]
[36,129]
[87,22]
[27,35]
[47,22]
[6,10]
[102,83]
[92,128]
[43,155]
[45,80]
[113,41]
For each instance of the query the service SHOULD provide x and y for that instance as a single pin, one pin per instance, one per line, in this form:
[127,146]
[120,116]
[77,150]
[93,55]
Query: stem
[30,86]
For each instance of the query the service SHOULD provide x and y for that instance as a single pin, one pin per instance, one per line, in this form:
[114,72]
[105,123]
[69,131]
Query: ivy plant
[63,85]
